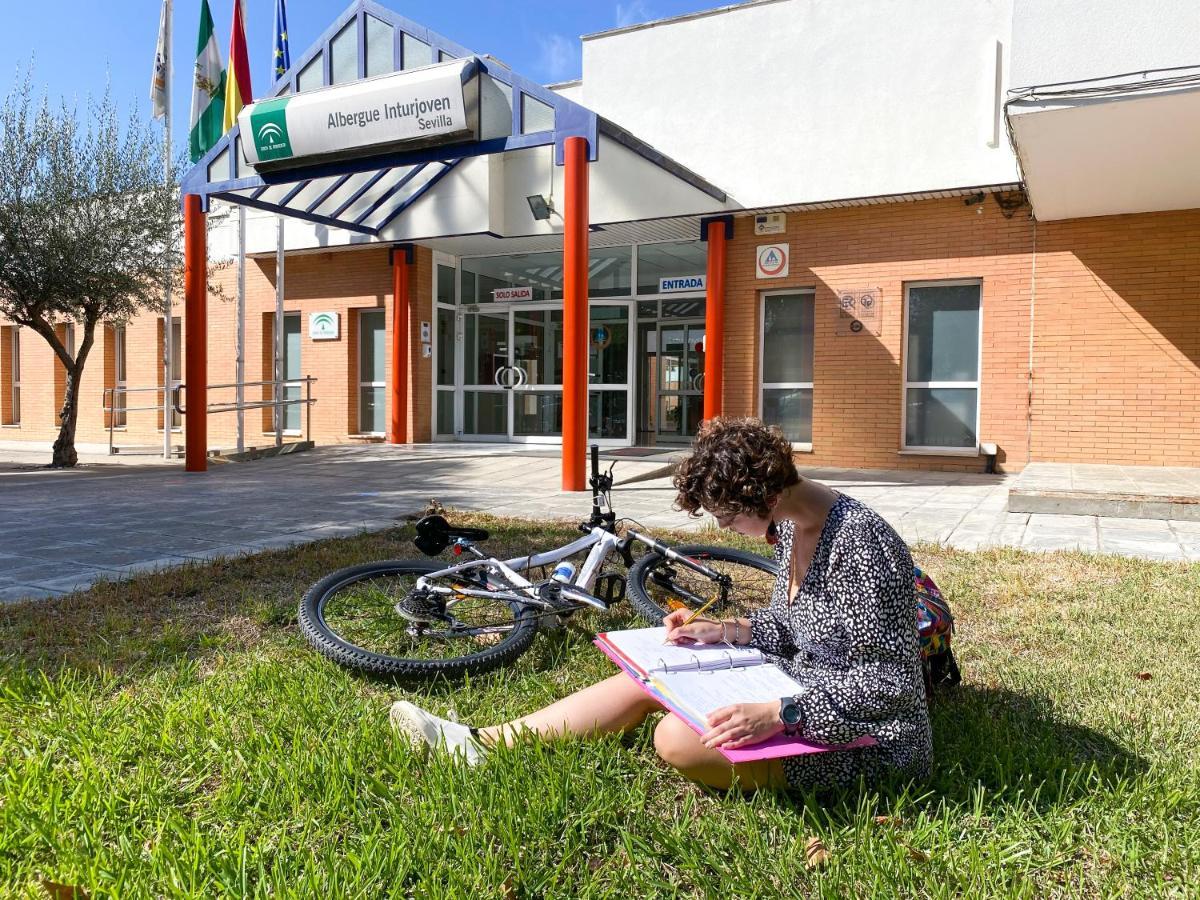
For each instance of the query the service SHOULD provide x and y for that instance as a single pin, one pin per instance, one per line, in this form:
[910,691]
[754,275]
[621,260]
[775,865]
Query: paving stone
[1134,537]
[1057,542]
[14,593]
[161,514]
[74,581]
[1148,549]
[1124,523]
[1057,522]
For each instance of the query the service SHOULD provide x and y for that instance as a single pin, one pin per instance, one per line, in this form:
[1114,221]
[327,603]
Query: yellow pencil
[693,616]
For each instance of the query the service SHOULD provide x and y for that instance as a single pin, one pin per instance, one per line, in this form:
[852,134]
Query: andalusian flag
[237,85]
[208,89]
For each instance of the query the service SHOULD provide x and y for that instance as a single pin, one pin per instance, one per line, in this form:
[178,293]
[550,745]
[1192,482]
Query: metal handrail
[178,389]
[111,408]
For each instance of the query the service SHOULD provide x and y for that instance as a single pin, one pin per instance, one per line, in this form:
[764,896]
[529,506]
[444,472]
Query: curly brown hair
[736,466]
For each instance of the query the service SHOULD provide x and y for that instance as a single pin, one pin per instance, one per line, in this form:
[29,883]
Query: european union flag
[281,61]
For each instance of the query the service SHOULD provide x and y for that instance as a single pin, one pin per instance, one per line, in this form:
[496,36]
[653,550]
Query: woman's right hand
[701,631]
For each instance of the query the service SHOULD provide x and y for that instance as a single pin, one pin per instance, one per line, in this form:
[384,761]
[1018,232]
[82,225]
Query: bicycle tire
[651,596]
[334,646]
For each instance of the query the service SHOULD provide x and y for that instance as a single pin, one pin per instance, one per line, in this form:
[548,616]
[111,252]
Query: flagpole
[241,331]
[280,63]
[279,266]
[168,321]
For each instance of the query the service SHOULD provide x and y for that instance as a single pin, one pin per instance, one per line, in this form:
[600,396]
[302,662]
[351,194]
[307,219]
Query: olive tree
[90,229]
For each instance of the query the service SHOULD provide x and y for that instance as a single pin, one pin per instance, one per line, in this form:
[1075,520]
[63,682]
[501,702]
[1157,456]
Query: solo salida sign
[421,107]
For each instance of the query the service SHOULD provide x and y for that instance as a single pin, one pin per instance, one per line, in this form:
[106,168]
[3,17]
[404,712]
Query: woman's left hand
[742,724]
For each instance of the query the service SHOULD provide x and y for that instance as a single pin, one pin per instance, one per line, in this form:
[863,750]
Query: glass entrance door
[511,385]
[486,364]
[680,370]
[537,357]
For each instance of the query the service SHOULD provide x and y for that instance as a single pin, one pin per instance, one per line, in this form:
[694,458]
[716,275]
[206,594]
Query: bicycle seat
[434,534]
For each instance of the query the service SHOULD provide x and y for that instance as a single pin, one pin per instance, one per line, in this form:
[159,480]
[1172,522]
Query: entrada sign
[686,283]
[436,104]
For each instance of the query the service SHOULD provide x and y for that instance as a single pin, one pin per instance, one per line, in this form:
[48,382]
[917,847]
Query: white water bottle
[563,573]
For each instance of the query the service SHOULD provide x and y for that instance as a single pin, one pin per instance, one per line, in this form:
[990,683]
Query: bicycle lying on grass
[421,619]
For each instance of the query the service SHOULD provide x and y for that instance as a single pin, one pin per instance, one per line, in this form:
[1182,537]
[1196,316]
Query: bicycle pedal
[610,587]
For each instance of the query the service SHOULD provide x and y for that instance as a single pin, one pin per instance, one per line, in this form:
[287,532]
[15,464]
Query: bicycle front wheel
[657,586]
[351,616]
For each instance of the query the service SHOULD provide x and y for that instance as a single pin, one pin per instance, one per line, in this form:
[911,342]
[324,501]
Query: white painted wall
[808,100]
[1068,40]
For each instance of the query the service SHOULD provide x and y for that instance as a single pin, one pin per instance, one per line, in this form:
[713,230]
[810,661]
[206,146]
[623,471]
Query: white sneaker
[425,728]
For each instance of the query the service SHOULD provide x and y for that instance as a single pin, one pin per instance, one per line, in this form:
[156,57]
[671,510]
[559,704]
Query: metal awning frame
[412,174]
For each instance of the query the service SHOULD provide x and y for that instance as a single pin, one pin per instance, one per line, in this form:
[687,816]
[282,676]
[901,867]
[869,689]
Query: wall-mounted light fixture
[539,206]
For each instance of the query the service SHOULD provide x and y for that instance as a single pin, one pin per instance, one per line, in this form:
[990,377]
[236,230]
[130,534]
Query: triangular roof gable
[221,172]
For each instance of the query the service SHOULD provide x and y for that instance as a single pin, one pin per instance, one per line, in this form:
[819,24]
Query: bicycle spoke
[675,587]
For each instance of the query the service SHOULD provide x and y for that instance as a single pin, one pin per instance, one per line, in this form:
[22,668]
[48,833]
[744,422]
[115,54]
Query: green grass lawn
[174,736]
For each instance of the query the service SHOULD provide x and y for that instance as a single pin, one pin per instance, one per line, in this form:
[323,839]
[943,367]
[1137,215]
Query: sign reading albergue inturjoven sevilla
[431,105]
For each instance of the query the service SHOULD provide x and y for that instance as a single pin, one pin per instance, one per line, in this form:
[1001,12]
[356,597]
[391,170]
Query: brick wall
[1116,351]
[344,282]
[1117,333]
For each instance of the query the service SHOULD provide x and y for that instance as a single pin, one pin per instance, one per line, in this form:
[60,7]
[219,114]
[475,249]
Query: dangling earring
[772,533]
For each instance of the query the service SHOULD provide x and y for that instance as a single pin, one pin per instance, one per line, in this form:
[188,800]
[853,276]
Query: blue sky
[77,44]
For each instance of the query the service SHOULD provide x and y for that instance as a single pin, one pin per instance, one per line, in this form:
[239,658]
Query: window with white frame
[119,419]
[372,372]
[445,347]
[787,363]
[176,366]
[941,366]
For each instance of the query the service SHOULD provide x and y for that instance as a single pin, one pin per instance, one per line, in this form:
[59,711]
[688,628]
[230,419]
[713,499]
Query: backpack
[935,629]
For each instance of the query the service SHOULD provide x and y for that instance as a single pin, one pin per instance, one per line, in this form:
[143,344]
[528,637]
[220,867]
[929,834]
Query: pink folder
[779,746]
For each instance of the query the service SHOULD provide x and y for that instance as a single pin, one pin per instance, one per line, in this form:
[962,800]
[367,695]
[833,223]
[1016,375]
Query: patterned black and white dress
[849,635]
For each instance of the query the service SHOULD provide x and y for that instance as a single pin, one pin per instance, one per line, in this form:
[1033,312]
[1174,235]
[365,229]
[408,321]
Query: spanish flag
[237,85]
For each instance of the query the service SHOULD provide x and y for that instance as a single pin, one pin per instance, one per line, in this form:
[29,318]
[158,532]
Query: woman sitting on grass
[841,621]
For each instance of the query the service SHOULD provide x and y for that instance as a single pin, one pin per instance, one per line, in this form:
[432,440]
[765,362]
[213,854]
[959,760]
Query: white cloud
[558,56]
[632,13]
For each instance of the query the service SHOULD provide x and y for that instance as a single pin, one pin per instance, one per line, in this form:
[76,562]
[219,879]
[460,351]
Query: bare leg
[615,704]
[678,745]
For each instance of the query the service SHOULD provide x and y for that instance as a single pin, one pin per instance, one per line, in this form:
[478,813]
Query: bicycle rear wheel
[657,586]
[350,616]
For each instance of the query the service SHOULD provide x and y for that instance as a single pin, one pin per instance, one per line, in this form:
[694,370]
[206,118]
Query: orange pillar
[398,399]
[195,330]
[714,316]
[575,312]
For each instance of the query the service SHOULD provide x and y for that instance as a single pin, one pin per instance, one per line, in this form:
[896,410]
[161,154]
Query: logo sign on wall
[858,311]
[771,261]
[512,293]
[323,326]
[686,283]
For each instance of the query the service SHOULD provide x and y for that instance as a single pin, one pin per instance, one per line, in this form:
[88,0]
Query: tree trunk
[65,456]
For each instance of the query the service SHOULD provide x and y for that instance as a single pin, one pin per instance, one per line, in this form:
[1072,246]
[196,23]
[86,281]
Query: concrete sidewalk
[61,531]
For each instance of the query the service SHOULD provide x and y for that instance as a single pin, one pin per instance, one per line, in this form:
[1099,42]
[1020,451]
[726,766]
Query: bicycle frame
[599,541]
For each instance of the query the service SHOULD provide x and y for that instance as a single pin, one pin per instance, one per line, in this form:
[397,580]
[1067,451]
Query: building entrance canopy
[389,130]
[505,143]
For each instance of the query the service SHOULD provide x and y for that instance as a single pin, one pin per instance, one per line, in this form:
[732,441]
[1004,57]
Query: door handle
[503,378]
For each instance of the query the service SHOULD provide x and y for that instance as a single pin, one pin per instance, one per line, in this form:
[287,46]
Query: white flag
[159,83]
